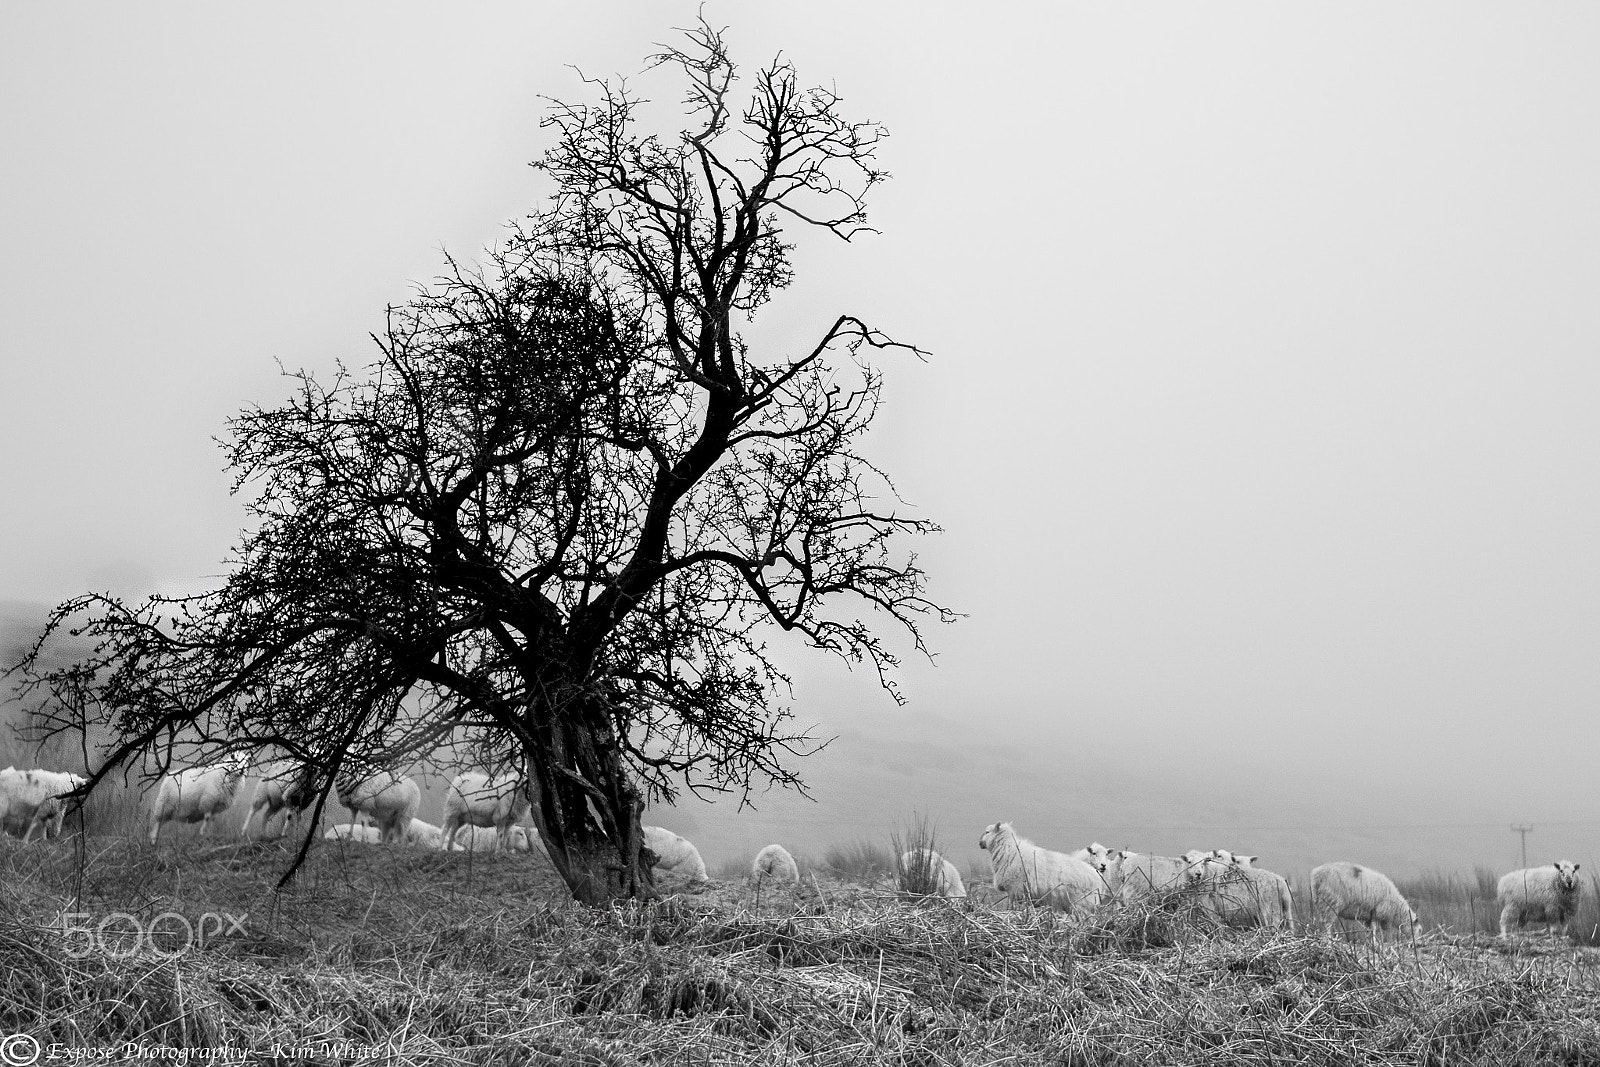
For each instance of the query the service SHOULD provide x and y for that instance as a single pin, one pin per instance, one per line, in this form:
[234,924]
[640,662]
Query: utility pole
[1524,830]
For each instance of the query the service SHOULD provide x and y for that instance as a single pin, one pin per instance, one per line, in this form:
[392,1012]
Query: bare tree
[561,512]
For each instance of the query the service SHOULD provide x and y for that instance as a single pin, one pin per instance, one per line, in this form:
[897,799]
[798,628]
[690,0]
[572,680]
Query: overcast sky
[1261,414]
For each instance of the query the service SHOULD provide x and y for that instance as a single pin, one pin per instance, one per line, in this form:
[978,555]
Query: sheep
[30,800]
[1135,875]
[1096,855]
[1346,890]
[475,799]
[391,800]
[674,854]
[196,794]
[1236,859]
[423,834]
[25,799]
[1547,894]
[1026,872]
[354,831]
[1242,897]
[285,786]
[58,784]
[774,864]
[924,869]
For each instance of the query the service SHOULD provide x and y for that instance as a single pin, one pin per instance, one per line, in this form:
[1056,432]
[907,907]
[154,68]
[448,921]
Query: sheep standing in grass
[285,786]
[1025,872]
[57,784]
[1133,876]
[1546,894]
[922,870]
[475,799]
[1242,897]
[25,799]
[1345,890]
[391,800]
[31,800]
[674,854]
[774,864]
[197,794]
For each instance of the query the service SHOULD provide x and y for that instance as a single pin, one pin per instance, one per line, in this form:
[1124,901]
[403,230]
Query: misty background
[1260,415]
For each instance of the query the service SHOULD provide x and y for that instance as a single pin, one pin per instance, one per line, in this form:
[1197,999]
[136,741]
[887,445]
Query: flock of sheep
[480,813]
[484,813]
[1236,893]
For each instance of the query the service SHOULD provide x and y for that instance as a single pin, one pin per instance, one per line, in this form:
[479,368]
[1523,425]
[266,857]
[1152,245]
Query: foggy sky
[1261,410]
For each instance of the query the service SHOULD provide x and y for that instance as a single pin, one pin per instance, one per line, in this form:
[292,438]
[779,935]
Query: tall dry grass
[430,960]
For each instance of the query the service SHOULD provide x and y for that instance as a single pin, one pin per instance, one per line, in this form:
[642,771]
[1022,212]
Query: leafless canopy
[561,512]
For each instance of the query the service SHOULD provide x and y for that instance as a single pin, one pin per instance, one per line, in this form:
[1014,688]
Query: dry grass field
[401,956]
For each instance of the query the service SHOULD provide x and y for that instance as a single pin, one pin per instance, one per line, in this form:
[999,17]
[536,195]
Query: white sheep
[423,834]
[285,786]
[1345,890]
[1242,897]
[24,800]
[1135,875]
[391,800]
[360,833]
[924,868]
[58,783]
[475,799]
[1547,894]
[1096,855]
[1235,859]
[1026,872]
[30,800]
[197,794]
[674,854]
[774,864]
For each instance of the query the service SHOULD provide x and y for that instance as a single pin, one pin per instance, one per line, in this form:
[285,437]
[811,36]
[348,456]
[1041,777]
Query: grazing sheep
[390,799]
[353,831]
[471,838]
[1241,897]
[30,800]
[923,868]
[774,864]
[475,799]
[1135,875]
[423,834]
[58,783]
[1547,894]
[285,786]
[674,854]
[1026,872]
[25,799]
[1347,890]
[197,793]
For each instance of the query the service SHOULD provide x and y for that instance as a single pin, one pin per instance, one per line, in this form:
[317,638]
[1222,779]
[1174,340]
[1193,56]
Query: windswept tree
[564,508]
